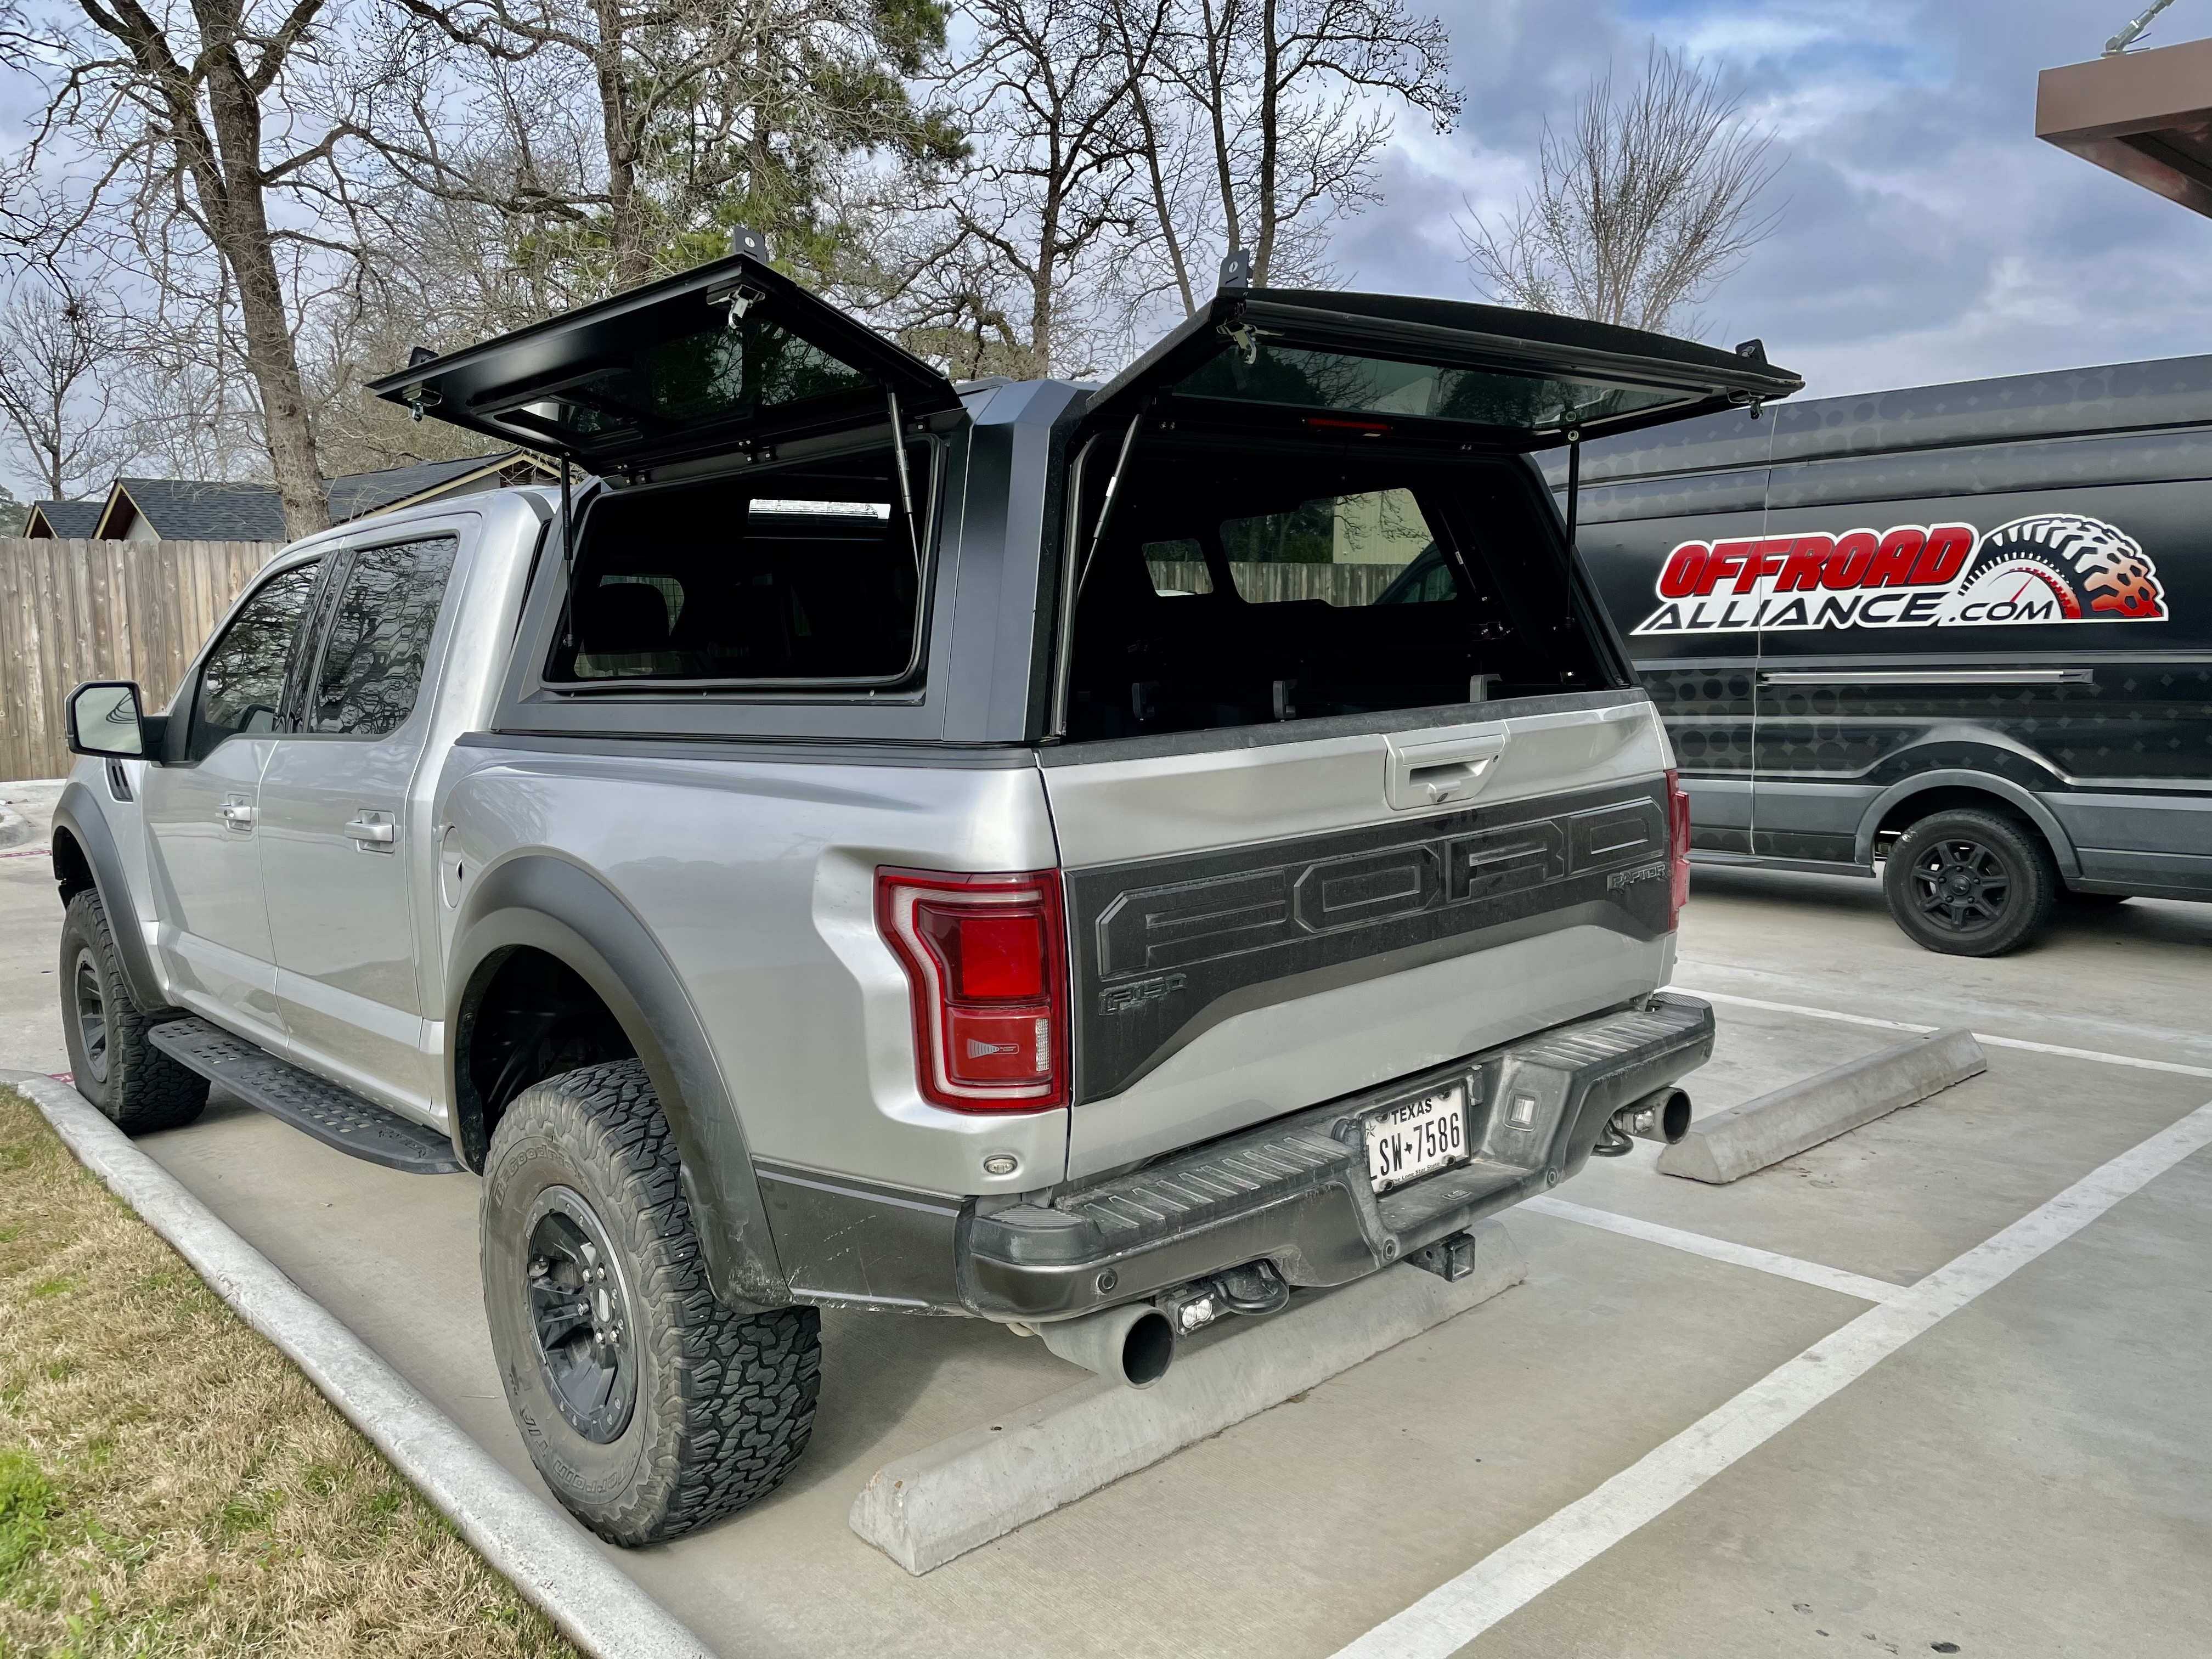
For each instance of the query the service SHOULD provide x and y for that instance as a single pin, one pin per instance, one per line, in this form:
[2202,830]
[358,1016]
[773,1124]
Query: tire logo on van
[2051,567]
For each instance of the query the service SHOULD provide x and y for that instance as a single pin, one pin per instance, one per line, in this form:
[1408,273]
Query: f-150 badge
[2053,567]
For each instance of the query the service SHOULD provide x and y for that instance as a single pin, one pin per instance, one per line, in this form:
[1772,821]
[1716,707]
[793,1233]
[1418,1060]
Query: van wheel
[1971,883]
[650,1408]
[112,1062]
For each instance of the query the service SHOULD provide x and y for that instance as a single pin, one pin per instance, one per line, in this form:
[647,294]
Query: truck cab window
[242,687]
[789,577]
[379,633]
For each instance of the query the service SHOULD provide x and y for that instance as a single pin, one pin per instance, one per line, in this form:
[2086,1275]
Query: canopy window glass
[781,577]
[727,372]
[1292,377]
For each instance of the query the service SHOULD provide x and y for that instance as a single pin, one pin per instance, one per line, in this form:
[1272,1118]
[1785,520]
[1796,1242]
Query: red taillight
[1678,848]
[985,957]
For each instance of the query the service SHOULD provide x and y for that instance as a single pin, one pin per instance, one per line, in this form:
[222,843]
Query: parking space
[2026,1470]
[2030,1477]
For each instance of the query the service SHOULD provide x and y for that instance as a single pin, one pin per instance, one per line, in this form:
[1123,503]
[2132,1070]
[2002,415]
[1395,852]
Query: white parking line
[1510,1577]
[2098,1055]
[1720,1250]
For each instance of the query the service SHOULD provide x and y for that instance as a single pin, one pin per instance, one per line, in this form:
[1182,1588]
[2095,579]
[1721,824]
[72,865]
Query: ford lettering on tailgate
[1168,947]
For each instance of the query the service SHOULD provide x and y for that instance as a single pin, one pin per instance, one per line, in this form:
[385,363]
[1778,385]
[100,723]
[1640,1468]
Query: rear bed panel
[1223,977]
[1167,948]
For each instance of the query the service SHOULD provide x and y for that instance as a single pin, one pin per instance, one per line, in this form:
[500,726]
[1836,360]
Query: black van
[1962,630]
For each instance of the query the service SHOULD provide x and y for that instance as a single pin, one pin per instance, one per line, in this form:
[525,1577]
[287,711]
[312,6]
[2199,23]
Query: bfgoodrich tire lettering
[718,1403]
[1971,883]
[111,1063]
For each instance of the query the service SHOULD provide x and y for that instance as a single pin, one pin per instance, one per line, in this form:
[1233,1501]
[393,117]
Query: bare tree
[1640,210]
[57,349]
[209,132]
[1033,219]
[640,131]
[1264,120]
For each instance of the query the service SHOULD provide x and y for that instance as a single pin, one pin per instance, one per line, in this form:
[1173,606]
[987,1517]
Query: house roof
[195,510]
[185,509]
[361,493]
[64,519]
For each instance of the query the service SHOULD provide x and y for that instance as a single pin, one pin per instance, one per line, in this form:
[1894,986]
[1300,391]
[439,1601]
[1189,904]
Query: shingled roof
[195,510]
[188,509]
[62,517]
[362,492]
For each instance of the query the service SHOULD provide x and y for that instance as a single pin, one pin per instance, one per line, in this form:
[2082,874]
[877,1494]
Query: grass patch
[171,1486]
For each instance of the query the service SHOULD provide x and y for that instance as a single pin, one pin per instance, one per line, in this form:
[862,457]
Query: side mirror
[104,720]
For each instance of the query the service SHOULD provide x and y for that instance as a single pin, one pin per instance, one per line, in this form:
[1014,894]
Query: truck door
[203,813]
[342,842]
[1353,777]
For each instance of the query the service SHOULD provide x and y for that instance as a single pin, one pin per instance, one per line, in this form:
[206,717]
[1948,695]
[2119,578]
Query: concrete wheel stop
[924,1509]
[1730,1145]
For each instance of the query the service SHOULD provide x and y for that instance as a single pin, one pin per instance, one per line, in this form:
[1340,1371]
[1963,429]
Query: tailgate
[1267,917]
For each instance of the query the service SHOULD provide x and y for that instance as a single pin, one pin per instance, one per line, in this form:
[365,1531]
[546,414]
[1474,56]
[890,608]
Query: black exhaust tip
[1662,1116]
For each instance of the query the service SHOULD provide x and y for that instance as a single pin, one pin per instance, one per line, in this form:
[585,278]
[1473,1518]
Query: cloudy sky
[1926,235]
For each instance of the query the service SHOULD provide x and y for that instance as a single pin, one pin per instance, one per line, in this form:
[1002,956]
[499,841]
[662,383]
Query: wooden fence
[1338,584]
[75,610]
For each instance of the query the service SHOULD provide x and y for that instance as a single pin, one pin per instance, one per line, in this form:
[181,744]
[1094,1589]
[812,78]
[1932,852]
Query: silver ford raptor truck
[1098,858]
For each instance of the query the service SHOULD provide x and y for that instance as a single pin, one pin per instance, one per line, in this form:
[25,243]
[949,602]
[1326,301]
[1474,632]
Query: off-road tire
[723,1397]
[2018,882]
[134,1085]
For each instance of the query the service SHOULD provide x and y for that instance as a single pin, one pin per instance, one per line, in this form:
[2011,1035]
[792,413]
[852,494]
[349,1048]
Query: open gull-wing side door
[1482,377]
[731,357]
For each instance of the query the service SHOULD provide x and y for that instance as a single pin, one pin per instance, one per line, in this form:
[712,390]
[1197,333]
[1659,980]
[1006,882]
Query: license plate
[1416,1138]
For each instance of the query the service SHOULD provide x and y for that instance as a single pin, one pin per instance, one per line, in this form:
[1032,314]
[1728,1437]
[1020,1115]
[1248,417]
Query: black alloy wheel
[1971,883]
[580,1314]
[1960,884]
[651,1406]
[113,1060]
[88,1007]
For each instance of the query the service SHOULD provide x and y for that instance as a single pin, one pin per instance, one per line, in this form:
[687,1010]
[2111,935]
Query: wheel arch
[537,902]
[1900,804]
[86,856]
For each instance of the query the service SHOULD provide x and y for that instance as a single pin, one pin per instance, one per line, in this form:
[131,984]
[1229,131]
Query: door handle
[1441,770]
[372,830]
[238,813]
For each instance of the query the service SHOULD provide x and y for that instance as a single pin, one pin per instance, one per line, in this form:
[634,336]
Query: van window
[1337,584]
[778,577]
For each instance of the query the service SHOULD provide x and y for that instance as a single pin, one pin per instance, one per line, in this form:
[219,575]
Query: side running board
[331,1113]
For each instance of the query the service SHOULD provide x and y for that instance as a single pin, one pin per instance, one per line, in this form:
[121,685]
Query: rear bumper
[1296,1191]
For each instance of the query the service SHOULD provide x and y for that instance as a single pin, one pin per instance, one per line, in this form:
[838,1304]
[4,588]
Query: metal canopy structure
[2144,115]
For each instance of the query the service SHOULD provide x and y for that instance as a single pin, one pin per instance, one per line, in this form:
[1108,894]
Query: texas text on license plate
[1416,1137]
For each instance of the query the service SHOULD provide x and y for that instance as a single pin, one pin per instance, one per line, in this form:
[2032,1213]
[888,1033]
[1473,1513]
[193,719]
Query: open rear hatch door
[731,357]
[1479,376]
[1323,827]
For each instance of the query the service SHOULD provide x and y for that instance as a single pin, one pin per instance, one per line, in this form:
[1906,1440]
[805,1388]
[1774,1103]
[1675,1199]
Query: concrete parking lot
[1888,1396]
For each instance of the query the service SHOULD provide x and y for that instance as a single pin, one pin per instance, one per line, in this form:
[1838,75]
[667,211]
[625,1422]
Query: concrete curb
[546,1556]
[924,1509]
[1728,1146]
